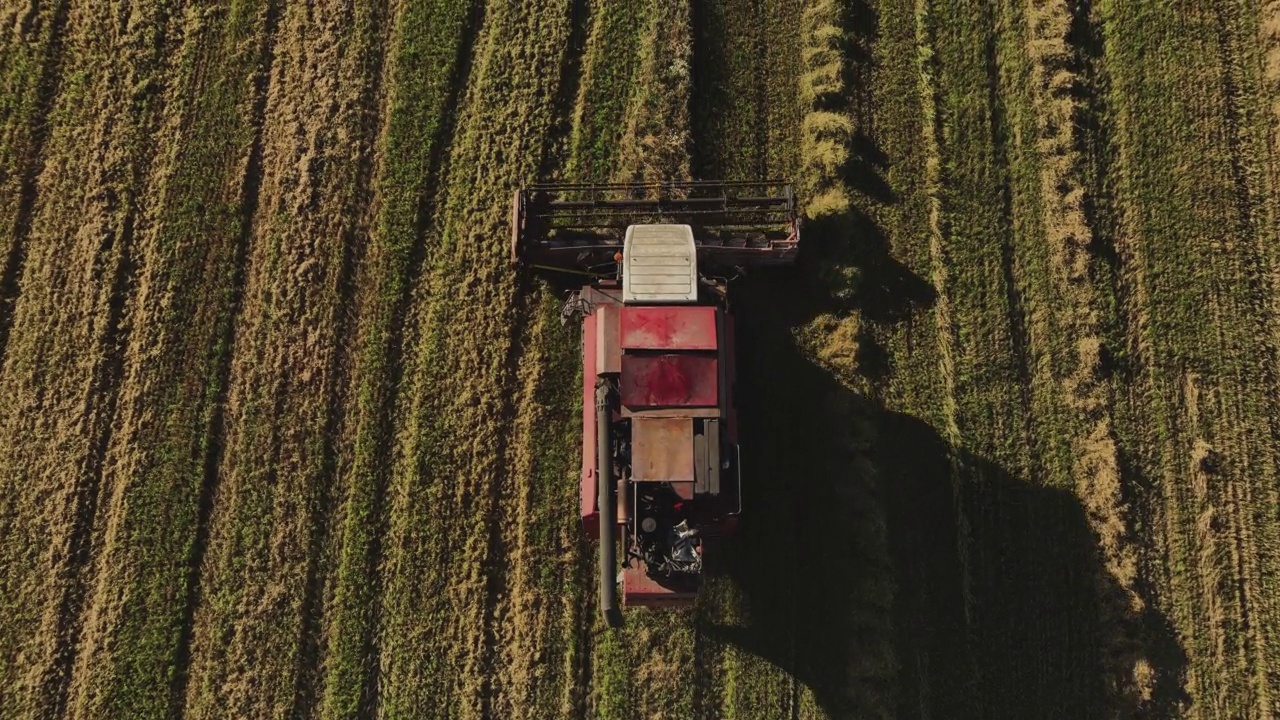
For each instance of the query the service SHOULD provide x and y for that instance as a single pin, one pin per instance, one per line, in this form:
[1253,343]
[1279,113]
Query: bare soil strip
[260,596]
[69,334]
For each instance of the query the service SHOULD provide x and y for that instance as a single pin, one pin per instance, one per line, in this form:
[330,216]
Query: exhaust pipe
[606,487]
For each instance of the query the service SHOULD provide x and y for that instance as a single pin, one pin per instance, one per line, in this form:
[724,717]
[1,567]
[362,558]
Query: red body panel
[674,367]
[684,380]
[587,485]
[668,327]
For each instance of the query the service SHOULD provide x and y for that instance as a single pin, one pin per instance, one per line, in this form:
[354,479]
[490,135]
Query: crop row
[1192,142]
[257,624]
[427,49]
[69,330]
[146,547]
[31,54]
[446,554]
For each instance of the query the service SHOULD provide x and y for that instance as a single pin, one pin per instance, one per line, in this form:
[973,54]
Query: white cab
[659,264]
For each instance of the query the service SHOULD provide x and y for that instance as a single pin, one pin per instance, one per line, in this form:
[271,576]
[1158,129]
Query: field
[282,434]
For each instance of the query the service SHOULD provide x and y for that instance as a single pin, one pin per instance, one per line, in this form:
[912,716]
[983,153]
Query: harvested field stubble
[262,580]
[444,571]
[69,331]
[427,43]
[281,434]
[30,53]
[1201,270]
[189,258]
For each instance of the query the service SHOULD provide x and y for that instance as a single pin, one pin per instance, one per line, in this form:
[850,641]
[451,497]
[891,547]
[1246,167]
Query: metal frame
[737,466]
[581,226]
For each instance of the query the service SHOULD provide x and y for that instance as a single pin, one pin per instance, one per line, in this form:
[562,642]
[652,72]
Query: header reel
[580,228]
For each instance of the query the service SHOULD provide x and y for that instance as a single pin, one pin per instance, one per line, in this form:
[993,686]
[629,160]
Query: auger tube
[607,504]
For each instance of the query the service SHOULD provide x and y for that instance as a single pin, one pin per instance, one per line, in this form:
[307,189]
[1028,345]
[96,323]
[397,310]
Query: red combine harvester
[660,460]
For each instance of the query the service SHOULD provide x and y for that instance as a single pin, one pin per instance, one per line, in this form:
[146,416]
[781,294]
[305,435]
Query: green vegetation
[188,261]
[61,373]
[427,42]
[446,544]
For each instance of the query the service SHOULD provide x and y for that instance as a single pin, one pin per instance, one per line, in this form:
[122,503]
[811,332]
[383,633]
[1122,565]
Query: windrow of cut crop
[849,664]
[254,651]
[187,252]
[825,162]
[792,635]
[446,561]
[1193,237]
[826,132]
[428,52]
[1032,632]
[69,332]
[1070,394]
[30,54]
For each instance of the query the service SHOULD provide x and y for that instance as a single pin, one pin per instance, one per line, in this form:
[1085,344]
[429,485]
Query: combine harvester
[661,469]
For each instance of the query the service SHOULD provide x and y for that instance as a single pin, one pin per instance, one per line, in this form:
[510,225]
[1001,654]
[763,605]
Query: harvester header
[581,227]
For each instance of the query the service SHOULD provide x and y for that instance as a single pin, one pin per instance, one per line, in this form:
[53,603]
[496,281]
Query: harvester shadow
[893,575]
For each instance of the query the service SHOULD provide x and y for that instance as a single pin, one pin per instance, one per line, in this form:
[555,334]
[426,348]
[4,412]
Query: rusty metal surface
[660,327]
[640,590]
[684,412]
[598,297]
[623,496]
[608,353]
[650,381]
[699,460]
[711,428]
[582,226]
[662,449]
